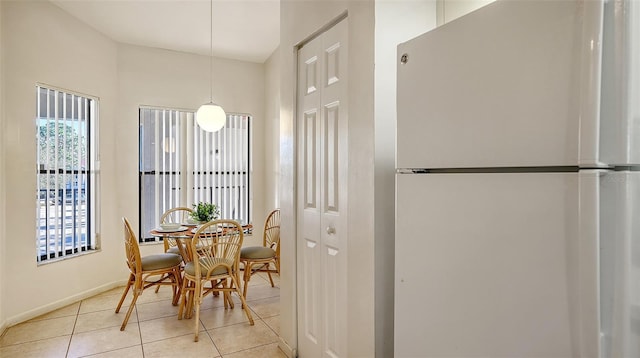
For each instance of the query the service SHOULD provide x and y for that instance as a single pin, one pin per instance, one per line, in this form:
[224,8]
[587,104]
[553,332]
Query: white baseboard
[286,349]
[25,316]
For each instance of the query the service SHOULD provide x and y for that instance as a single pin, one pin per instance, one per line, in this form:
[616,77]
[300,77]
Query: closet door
[322,194]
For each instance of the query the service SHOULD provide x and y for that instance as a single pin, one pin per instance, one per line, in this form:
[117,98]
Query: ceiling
[247,30]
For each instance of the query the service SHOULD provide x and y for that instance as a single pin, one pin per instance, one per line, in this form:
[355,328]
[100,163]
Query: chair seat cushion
[190,268]
[257,252]
[160,261]
[174,250]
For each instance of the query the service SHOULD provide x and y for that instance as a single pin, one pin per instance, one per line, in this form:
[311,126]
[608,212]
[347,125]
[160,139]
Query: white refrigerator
[518,183]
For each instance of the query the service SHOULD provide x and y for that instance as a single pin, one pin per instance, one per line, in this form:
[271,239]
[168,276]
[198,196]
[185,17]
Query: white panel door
[322,194]
[487,265]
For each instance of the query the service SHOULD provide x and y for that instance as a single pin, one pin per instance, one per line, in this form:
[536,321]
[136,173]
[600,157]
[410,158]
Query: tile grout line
[139,331]
[73,330]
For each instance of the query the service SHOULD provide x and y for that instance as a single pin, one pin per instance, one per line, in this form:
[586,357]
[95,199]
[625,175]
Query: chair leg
[183,298]
[136,293]
[126,290]
[215,283]
[175,287]
[227,296]
[190,297]
[246,278]
[197,299]
[269,273]
[228,302]
[244,302]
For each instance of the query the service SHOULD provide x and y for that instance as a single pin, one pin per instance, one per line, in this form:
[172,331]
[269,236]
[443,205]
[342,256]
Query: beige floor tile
[51,347]
[103,303]
[114,291]
[103,340]
[150,295]
[182,346]
[130,352]
[70,310]
[37,330]
[220,317]
[267,307]
[166,327]
[256,280]
[273,323]
[275,276]
[102,319]
[242,336]
[157,309]
[266,351]
[262,291]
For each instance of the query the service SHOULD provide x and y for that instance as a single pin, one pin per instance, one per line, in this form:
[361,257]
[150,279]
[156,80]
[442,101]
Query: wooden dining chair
[214,268]
[178,215]
[260,258]
[147,271]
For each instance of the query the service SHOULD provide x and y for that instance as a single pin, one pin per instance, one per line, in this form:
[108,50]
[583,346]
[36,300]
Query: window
[66,180]
[180,165]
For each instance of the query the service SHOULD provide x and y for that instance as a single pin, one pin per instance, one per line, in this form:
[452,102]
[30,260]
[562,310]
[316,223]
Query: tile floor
[90,328]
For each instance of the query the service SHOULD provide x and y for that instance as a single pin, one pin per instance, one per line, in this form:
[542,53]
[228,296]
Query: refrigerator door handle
[588,262]
[591,68]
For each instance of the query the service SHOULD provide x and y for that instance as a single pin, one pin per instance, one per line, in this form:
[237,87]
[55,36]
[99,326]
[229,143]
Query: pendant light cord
[211,54]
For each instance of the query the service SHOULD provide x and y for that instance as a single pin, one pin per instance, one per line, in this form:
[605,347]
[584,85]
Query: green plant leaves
[205,212]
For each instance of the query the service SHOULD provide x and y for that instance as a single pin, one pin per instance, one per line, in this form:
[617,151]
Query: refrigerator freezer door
[487,265]
[515,83]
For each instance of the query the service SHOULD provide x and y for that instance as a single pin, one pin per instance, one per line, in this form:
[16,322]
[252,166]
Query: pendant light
[210,116]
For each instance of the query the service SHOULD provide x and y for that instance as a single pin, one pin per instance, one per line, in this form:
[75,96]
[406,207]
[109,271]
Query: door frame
[293,351]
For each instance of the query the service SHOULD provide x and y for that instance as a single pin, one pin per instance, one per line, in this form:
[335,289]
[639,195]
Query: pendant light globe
[211,117]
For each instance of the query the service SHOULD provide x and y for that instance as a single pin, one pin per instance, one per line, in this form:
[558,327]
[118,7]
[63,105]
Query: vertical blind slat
[55,166]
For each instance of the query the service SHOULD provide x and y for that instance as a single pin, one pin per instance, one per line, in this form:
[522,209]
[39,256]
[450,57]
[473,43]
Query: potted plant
[204,212]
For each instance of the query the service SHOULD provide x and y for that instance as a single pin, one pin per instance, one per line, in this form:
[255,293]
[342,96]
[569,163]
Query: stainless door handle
[331,230]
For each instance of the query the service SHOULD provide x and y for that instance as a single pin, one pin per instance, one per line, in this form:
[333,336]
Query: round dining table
[183,235]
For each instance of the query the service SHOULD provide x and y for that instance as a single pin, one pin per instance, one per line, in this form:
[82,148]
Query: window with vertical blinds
[181,165]
[66,219]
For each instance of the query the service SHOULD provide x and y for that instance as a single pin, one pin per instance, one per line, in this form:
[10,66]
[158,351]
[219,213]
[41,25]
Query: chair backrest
[217,244]
[132,250]
[176,215]
[271,236]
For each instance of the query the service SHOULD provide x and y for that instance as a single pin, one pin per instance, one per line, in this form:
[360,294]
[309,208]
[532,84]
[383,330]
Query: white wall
[156,77]
[272,131]
[449,10]
[396,22]
[299,20]
[44,44]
